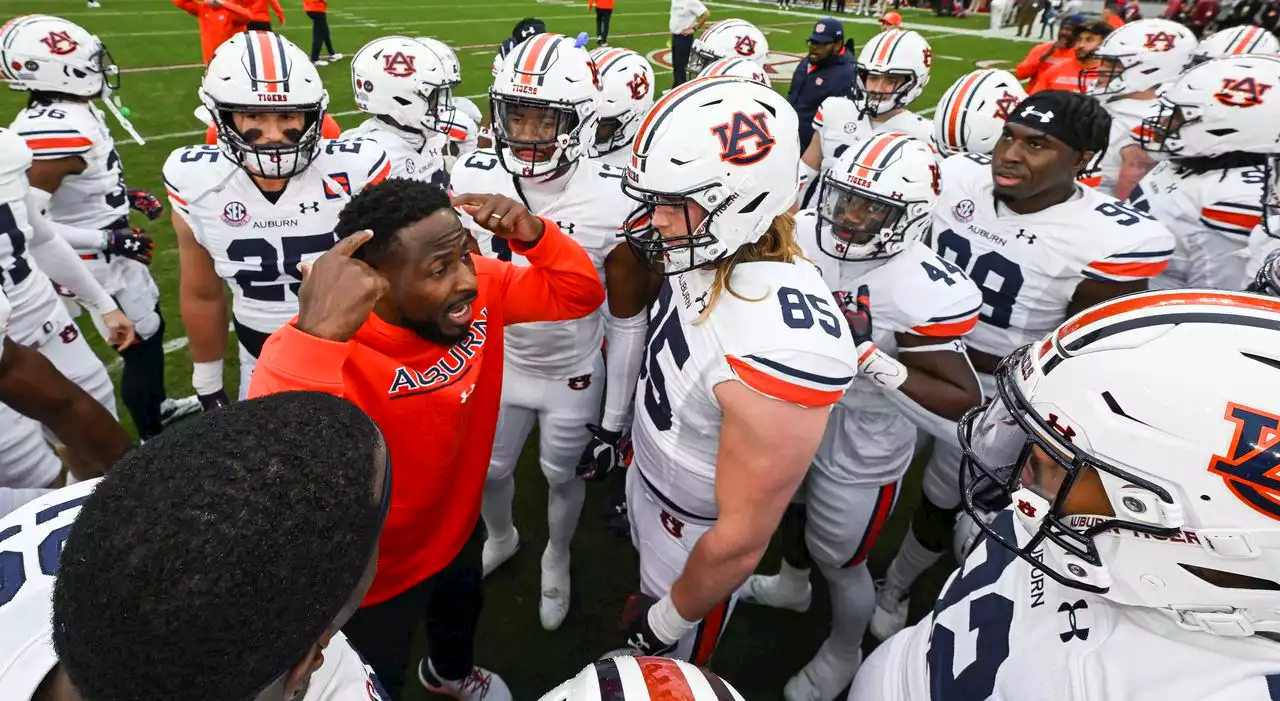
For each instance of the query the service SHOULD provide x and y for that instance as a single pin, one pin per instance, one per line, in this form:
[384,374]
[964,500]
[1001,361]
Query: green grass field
[158,48]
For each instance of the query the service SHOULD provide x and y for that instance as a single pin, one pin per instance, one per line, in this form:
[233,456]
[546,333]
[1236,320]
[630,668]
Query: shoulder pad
[51,133]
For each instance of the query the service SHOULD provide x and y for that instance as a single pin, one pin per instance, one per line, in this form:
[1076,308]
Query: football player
[971,114]
[893,69]
[1209,190]
[460,122]
[32,392]
[408,89]
[545,112]
[626,94]
[1040,247]
[747,353]
[727,39]
[77,182]
[740,67]
[525,28]
[1134,60]
[1236,41]
[265,199]
[1137,558]
[217,561]
[643,679]
[874,209]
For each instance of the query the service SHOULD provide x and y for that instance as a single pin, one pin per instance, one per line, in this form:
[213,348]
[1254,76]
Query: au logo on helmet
[1005,105]
[638,85]
[745,46]
[1241,92]
[739,132]
[1160,41]
[1251,467]
[60,43]
[399,65]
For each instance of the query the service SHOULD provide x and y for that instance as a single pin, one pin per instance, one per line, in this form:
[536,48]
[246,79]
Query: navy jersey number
[263,283]
[1000,298]
[13,572]
[481,161]
[798,311]
[664,332]
[990,619]
[118,197]
[21,267]
[1123,214]
[196,154]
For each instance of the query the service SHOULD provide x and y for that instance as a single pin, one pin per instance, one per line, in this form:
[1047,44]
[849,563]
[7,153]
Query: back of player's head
[213,558]
[386,208]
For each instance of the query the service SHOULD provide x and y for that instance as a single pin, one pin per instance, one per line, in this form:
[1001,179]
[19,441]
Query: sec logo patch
[963,210]
[235,214]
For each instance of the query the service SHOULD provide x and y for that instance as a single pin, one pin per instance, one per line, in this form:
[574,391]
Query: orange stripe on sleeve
[1244,221]
[771,386]
[175,198]
[708,637]
[1135,269]
[382,174]
[59,143]
[950,328]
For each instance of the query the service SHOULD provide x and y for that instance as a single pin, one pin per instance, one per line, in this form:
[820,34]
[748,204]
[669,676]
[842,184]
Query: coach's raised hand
[338,292]
[502,216]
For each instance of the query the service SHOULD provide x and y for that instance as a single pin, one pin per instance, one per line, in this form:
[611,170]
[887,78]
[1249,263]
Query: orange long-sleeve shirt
[258,9]
[217,24]
[437,406]
[1041,59]
[600,4]
[1064,76]
[315,5]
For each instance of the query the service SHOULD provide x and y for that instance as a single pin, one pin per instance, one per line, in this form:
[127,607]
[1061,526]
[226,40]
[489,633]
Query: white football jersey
[96,198]
[914,292]
[1210,215]
[1003,630]
[1126,124]
[1028,265]
[617,159]
[30,292]
[256,245]
[6,314]
[780,333]
[424,162]
[839,124]
[590,207]
[31,539]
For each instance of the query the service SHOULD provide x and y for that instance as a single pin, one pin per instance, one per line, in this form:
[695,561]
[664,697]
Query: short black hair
[211,558]
[386,208]
[1096,26]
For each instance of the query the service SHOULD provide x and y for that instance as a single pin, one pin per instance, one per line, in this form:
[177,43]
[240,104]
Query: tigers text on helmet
[730,38]
[626,87]
[1220,106]
[727,145]
[740,67]
[1236,41]
[1138,56]
[971,114]
[544,103]
[643,679]
[263,72]
[1146,491]
[42,53]
[893,68]
[877,197]
[405,81]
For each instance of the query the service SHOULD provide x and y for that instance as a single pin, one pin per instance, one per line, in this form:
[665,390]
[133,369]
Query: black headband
[1044,116]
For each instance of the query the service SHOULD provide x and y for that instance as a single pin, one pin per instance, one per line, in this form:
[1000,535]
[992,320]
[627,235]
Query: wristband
[880,367]
[667,623]
[206,377]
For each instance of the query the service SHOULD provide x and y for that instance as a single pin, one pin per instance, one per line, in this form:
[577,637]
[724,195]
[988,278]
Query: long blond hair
[778,245]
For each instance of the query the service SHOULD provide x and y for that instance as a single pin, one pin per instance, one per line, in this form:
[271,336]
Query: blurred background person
[687,18]
[604,11]
[218,20]
[260,11]
[318,11]
[1049,54]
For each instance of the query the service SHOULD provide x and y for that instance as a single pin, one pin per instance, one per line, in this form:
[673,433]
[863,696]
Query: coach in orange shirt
[406,323]
[260,18]
[219,20]
[318,11]
[1049,54]
[604,11]
[1066,75]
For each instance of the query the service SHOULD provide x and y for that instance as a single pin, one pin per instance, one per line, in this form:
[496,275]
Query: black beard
[430,331]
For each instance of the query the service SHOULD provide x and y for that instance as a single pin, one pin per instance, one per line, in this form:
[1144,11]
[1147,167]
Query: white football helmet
[643,679]
[732,37]
[626,87]
[264,72]
[447,56]
[730,145]
[1139,55]
[902,56]
[404,81]
[877,197]
[545,101]
[1218,107]
[41,53]
[1145,490]
[740,67]
[1236,41]
[971,114]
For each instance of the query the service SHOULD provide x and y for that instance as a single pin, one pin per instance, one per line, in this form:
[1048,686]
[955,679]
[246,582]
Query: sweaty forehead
[438,233]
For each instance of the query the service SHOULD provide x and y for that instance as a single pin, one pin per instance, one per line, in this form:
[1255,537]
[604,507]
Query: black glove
[857,311]
[636,632]
[1267,281]
[130,243]
[147,203]
[215,401]
[603,453]
[615,508]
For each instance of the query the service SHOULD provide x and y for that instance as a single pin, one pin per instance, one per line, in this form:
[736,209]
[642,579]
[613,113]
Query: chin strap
[112,107]
[1221,621]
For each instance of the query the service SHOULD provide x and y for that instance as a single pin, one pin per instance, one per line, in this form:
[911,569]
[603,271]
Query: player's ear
[295,680]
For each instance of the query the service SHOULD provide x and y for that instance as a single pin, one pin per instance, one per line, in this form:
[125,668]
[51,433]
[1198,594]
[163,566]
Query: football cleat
[777,591]
[480,685]
[890,615]
[553,605]
[497,551]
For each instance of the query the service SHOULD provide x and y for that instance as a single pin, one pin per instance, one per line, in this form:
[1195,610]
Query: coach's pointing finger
[338,292]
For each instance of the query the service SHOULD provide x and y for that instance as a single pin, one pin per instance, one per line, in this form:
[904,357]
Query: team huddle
[1066,301]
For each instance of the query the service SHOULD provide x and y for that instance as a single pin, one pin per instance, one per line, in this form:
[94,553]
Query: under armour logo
[566,227]
[1066,431]
[312,207]
[1022,234]
[1076,631]
[1044,117]
[466,394]
[638,642]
